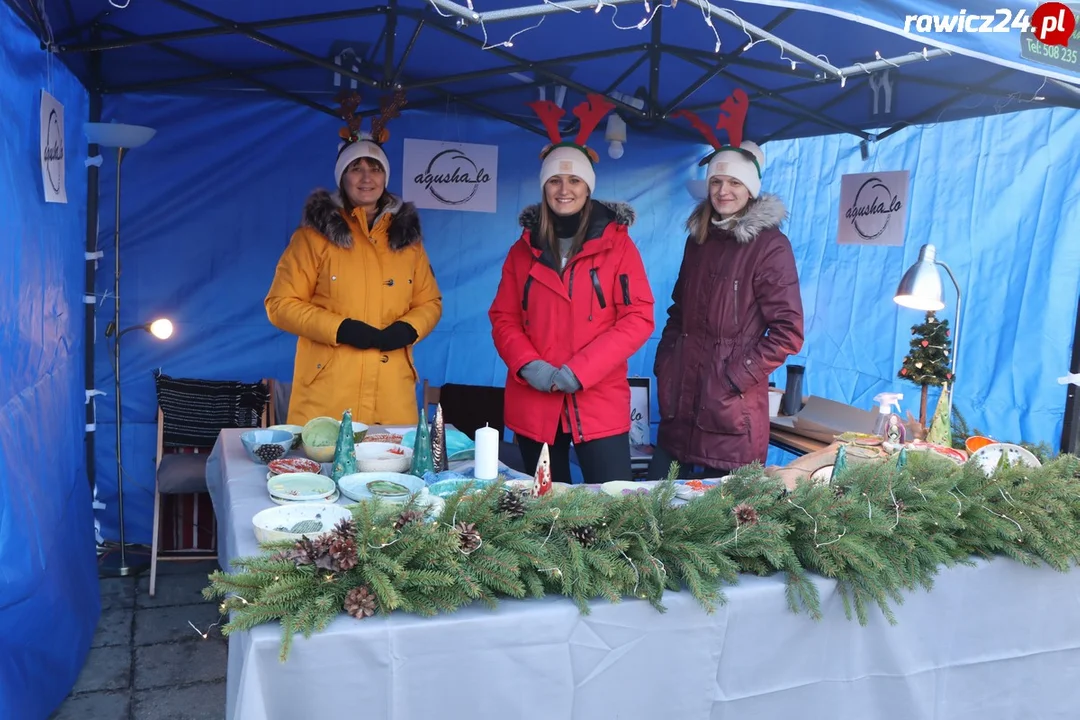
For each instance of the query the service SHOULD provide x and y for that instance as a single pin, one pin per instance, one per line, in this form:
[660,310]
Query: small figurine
[345,450]
[439,459]
[542,477]
[894,432]
[421,459]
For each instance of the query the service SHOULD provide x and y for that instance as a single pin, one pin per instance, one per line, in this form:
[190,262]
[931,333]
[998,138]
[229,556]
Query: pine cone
[839,491]
[900,506]
[584,534]
[512,503]
[360,602]
[343,553]
[346,528]
[745,514]
[407,517]
[470,538]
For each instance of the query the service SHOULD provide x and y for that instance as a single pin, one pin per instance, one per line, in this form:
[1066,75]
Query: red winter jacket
[592,318]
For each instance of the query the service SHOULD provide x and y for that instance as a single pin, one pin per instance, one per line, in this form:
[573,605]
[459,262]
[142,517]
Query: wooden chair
[280,392]
[191,413]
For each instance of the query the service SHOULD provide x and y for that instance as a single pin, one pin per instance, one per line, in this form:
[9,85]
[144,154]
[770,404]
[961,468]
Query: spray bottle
[885,401]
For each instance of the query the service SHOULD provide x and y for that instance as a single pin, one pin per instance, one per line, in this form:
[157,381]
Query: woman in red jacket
[736,315]
[573,305]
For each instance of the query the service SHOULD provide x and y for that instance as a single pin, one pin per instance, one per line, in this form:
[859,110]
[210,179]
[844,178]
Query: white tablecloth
[994,641]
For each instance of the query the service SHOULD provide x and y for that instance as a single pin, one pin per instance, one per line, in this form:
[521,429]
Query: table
[997,640]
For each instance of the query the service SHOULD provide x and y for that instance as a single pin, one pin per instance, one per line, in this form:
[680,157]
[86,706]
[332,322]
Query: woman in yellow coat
[356,287]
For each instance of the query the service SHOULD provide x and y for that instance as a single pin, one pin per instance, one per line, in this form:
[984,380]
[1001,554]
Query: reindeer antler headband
[732,119]
[589,114]
[389,108]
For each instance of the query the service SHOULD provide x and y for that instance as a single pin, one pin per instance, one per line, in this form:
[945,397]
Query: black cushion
[182,473]
[195,411]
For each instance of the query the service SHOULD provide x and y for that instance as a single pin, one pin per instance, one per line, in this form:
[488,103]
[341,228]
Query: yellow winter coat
[333,269]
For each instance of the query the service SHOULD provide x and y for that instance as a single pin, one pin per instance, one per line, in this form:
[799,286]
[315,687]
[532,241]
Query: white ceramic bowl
[382,457]
[275,524]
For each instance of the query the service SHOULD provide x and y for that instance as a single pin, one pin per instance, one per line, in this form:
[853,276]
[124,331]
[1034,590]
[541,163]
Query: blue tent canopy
[809,69]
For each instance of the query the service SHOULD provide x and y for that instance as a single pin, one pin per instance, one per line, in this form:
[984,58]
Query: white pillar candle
[487,453]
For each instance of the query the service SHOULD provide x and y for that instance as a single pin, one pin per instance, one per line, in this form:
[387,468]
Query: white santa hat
[364,147]
[745,163]
[568,160]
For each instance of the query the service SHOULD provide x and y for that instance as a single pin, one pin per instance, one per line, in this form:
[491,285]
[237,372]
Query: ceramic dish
[359,431]
[292,465]
[976,442]
[953,454]
[300,486]
[859,439]
[382,457]
[294,429]
[616,487]
[459,446]
[330,499]
[446,488]
[320,438]
[689,489]
[263,446]
[383,438]
[388,489]
[988,456]
[296,520]
[355,486]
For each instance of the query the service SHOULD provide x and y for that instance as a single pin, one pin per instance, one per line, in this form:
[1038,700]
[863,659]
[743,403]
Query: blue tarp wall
[49,602]
[210,202]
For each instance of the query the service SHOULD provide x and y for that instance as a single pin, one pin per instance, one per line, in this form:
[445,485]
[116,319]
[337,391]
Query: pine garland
[878,529]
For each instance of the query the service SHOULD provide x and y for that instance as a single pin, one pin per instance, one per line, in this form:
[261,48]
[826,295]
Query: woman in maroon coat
[736,316]
[573,305]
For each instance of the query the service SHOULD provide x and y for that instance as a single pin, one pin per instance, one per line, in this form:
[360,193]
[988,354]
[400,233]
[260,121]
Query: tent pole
[1070,432]
[391,31]
[90,330]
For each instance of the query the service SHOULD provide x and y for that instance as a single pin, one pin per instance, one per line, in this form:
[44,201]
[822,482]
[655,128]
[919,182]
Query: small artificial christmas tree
[927,363]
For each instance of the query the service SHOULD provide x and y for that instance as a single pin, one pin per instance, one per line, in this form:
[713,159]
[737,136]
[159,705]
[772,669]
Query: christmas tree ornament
[584,534]
[512,503]
[360,602]
[421,459]
[469,536]
[940,432]
[542,476]
[439,459]
[345,451]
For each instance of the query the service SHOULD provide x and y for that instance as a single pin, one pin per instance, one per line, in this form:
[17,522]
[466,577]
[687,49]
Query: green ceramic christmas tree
[421,460]
[940,432]
[345,451]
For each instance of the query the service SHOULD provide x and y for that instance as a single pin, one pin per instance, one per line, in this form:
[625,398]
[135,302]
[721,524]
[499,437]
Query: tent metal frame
[451,18]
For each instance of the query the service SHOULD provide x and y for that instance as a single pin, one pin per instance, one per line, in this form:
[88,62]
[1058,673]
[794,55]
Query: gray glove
[540,374]
[566,381]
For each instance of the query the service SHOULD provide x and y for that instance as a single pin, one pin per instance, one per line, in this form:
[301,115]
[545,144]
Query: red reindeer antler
[348,103]
[700,126]
[735,107]
[590,113]
[549,114]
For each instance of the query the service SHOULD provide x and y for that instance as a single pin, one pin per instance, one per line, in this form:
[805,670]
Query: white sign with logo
[52,149]
[450,176]
[873,208]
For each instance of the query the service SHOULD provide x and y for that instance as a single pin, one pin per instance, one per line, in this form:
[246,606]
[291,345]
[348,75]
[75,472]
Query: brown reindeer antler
[735,106]
[590,113]
[390,108]
[700,126]
[348,102]
[549,114]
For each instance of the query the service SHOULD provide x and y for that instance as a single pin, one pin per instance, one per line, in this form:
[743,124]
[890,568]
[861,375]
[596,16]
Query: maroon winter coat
[736,316]
[592,318]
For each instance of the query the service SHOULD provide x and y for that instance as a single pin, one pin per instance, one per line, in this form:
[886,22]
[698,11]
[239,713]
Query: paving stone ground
[146,661]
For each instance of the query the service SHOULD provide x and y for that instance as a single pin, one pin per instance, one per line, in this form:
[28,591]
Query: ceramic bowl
[319,438]
[382,457]
[302,486]
[446,488]
[356,486]
[295,430]
[265,445]
[277,523]
[359,431]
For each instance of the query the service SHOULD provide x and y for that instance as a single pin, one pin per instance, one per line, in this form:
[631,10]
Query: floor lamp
[920,289]
[122,137]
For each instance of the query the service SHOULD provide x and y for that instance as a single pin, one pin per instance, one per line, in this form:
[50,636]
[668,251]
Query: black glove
[396,336]
[358,334]
[539,374]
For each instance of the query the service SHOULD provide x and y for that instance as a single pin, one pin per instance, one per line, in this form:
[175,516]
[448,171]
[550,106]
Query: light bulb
[615,150]
[161,328]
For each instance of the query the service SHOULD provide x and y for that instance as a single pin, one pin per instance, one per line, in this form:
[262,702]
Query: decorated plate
[446,488]
[300,486]
[953,454]
[391,438]
[989,456]
[282,466]
[857,438]
[357,485]
[688,489]
[620,488]
[388,489]
[331,498]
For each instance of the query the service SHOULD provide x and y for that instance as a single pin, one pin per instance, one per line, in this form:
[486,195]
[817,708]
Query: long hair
[380,204]
[546,228]
[702,217]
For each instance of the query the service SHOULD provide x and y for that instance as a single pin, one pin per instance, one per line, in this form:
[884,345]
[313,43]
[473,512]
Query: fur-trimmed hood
[767,212]
[322,212]
[603,212]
